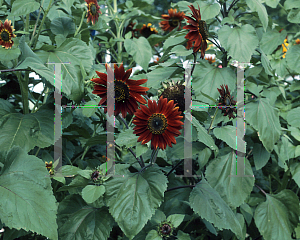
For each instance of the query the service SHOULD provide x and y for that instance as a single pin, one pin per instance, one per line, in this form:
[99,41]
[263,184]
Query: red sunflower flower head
[198,32]
[158,123]
[130,28]
[6,34]
[93,11]
[226,102]
[172,20]
[148,30]
[127,92]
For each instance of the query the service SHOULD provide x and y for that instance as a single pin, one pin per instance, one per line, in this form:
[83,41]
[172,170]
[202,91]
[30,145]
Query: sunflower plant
[149,119]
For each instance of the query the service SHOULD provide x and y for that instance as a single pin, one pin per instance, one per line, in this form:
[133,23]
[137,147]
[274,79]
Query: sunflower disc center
[202,27]
[157,123]
[227,100]
[93,8]
[121,91]
[174,22]
[4,36]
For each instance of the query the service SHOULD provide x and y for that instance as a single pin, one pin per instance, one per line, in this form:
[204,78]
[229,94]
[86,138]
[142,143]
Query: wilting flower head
[6,34]
[148,30]
[172,20]
[158,123]
[175,92]
[198,32]
[93,11]
[226,102]
[284,47]
[127,91]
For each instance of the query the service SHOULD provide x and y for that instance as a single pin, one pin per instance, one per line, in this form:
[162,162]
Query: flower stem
[175,167]
[81,21]
[212,121]
[42,23]
[261,189]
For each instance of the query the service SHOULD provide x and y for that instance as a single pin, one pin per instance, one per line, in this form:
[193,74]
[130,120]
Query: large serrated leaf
[268,126]
[26,198]
[257,6]
[240,42]
[207,202]
[77,220]
[21,7]
[133,199]
[277,217]
[234,190]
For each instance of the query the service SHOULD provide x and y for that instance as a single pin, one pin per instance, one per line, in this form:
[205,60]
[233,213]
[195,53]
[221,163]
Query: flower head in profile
[127,91]
[297,41]
[93,11]
[285,46]
[172,20]
[148,30]
[175,92]
[210,59]
[6,34]
[50,167]
[198,32]
[226,103]
[158,123]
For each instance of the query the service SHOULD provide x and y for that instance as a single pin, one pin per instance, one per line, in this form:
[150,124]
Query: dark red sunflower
[227,104]
[129,28]
[173,19]
[158,123]
[148,30]
[127,91]
[93,11]
[6,34]
[198,32]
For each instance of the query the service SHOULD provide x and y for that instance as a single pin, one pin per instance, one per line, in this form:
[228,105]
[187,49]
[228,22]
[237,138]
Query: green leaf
[90,108]
[228,134]
[257,6]
[92,192]
[293,117]
[140,50]
[294,16]
[208,204]
[153,235]
[62,25]
[207,10]
[26,197]
[280,66]
[127,138]
[183,236]
[158,75]
[240,42]
[25,49]
[9,54]
[20,7]
[293,58]
[6,107]
[295,171]
[260,155]
[272,3]
[174,40]
[77,220]
[217,76]
[289,4]
[234,190]
[175,219]
[295,132]
[141,149]
[271,39]
[180,50]
[268,126]
[247,212]
[133,199]
[75,51]
[266,63]
[280,212]
[203,136]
